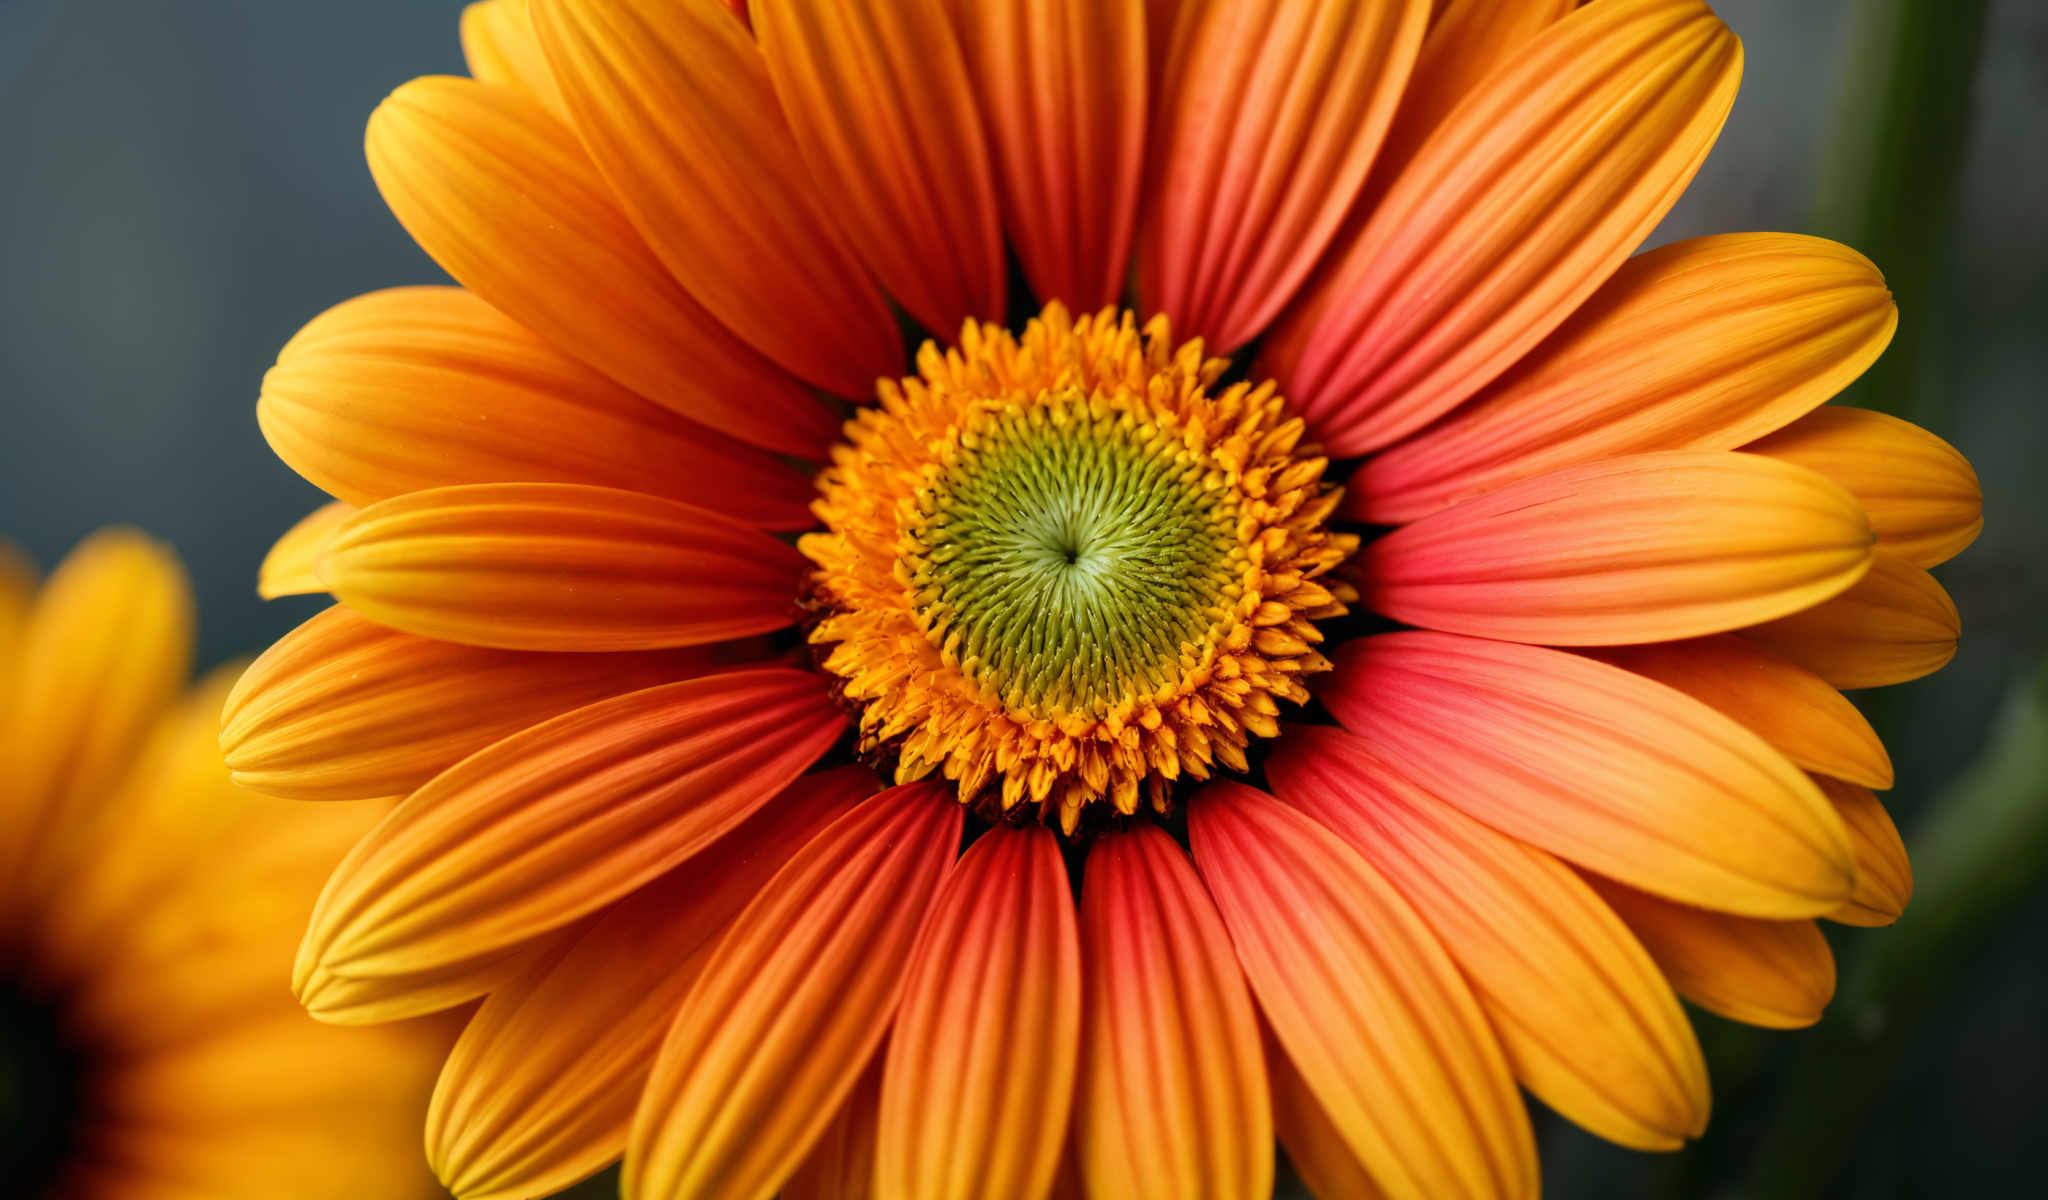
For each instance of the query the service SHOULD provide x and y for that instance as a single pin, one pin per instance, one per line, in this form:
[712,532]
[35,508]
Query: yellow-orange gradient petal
[292,568]
[1521,203]
[342,708]
[1638,549]
[565,262]
[1265,124]
[499,45]
[1922,495]
[1062,88]
[540,1089]
[1362,997]
[796,997]
[1777,974]
[879,96]
[1897,624]
[1700,345]
[557,566]
[1884,875]
[103,650]
[1316,1148]
[980,1072]
[1600,767]
[673,101]
[557,821]
[1587,1021]
[841,1164]
[1172,1098]
[1788,706]
[19,581]
[422,387]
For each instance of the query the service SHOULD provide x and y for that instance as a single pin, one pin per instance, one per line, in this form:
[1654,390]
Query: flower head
[1380,641]
[148,909]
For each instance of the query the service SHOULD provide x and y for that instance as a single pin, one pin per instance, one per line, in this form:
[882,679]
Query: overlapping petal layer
[556,821]
[1921,494]
[673,101]
[841,1164]
[499,45]
[414,388]
[1316,1148]
[1884,875]
[292,567]
[1586,1020]
[878,95]
[1645,548]
[556,566]
[1599,766]
[1365,1002]
[1897,624]
[1521,203]
[1172,1100]
[981,1062]
[565,262]
[1266,122]
[1699,345]
[796,997]
[540,1089]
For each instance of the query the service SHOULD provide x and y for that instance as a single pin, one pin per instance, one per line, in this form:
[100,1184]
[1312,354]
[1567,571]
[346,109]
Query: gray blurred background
[184,186]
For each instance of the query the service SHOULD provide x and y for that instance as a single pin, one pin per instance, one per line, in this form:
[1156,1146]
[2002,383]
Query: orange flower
[147,910]
[635,598]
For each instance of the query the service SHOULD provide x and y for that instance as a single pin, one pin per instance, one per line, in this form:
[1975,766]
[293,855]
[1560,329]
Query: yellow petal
[1777,974]
[556,566]
[841,1164]
[342,708]
[1922,495]
[499,45]
[292,566]
[879,97]
[1362,997]
[1600,767]
[564,262]
[1700,345]
[18,583]
[1587,1021]
[1788,706]
[1896,625]
[422,387]
[796,997]
[1521,203]
[1316,1148]
[1651,547]
[1266,122]
[1884,875]
[673,102]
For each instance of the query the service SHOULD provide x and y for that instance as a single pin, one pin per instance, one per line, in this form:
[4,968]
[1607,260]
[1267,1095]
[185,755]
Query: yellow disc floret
[1058,568]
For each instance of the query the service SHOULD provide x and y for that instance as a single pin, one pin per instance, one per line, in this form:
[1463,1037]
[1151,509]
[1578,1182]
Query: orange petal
[1315,1146]
[1922,495]
[841,1164]
[1600,767]
[1777,974]
[19,581]
[1646,548]
[883,109]
[1884,875]
[556,566]
[423,387]
[1790,707]
[1266,122]
[1700,345]
[795,999]
[344,709]
[564,262]
[559,820]
[673,101]
[981,1062]
[1172,1098]
[1062,87]
[1587,1021]
[499,45]
[1523,201]
[102,652]
[540,1089]
[1364,1000]
[292,568]
[1896,625]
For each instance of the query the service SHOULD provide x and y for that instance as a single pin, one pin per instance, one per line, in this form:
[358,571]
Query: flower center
[1065,569]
